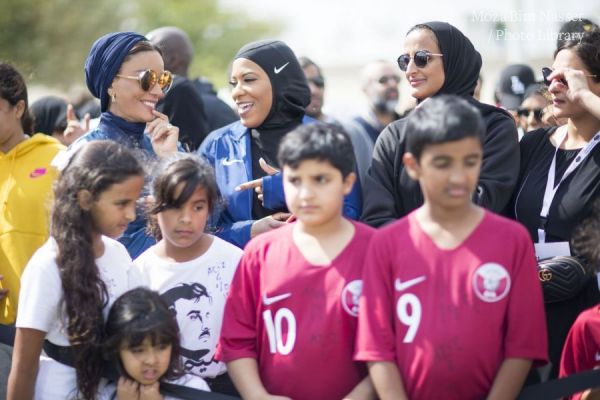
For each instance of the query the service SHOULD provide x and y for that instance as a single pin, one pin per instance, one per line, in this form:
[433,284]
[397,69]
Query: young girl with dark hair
[142,342]
[70,282]
[192,270]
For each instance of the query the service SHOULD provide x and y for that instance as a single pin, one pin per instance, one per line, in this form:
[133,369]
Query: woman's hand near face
[163,135]
[579,89]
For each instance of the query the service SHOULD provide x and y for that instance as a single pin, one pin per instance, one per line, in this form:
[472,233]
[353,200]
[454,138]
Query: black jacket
[389,193]
[185,110]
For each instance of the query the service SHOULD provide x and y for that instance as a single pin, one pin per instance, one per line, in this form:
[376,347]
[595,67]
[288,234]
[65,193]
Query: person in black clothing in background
[439,59]
[182,104]
[567,153]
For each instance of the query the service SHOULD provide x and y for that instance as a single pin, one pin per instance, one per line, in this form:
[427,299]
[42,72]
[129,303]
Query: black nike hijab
[291,94]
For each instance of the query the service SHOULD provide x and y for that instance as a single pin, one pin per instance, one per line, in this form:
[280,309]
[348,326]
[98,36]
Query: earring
[113,97]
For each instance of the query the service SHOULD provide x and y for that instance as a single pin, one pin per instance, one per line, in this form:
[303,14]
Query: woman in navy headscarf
[126,72]
[439,59]
[271,95]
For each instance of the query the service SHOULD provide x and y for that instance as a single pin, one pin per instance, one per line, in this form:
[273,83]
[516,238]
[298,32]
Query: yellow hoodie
[26,179]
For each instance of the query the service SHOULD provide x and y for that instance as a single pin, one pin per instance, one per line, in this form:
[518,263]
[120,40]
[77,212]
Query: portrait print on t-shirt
[191,303]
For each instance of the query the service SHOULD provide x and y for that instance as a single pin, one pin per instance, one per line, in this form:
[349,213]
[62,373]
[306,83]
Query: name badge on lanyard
[560,248]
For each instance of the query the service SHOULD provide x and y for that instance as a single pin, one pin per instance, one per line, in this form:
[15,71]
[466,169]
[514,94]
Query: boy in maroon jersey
[451,306]
[290,320]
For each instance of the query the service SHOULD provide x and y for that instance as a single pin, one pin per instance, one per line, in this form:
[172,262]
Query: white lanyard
[551,189]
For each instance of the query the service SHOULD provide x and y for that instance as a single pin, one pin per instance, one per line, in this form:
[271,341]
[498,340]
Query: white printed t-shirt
[195,291]
[40,308]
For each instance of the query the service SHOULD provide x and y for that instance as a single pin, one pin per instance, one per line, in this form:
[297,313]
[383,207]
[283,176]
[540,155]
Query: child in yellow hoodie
[26,178]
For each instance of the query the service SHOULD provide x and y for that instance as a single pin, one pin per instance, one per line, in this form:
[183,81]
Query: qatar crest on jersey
[350,297]
[491,282]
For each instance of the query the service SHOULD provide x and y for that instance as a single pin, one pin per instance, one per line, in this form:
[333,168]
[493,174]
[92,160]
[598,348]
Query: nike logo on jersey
[400,286]
[267,301]
[230,162]
[278,70]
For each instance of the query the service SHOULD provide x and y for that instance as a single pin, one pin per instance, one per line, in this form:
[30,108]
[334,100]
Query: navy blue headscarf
[104,61]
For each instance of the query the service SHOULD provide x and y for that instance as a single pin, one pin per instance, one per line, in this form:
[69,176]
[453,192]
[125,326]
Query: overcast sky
[342,35]
[356,31]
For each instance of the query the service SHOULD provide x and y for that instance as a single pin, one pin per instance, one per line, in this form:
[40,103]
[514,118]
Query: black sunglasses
[148,78]
[386,78]
[547,71]
[525,112]
[318,81]
[421,58]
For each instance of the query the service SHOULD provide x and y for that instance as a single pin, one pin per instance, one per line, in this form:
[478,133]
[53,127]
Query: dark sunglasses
[318,81]
[386,78]
[547,71]
[421,58]
[149,78]
[525,112]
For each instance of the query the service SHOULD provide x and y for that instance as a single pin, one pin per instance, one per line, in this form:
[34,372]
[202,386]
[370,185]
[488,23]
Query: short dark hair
[441,119]
[587,48]
[180,168]
[136,315]
[573,30]
[323,142]
[13,90]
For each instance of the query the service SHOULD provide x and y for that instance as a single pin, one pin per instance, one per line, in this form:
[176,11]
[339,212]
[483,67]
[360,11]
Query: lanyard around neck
[551,188]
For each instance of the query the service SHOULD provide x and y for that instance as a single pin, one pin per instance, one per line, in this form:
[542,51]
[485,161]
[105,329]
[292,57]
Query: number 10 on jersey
[274,327]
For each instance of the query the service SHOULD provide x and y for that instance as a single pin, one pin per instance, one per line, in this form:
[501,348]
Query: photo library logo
[504,34]
[519,25]
[520,16]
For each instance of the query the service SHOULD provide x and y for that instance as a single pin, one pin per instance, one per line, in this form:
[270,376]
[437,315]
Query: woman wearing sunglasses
[531,112]
[126,72]
[560,172]
[271,94]
[439,59]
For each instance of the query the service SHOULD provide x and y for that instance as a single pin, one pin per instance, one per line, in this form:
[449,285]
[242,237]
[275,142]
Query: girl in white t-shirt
[70,282]
[142,342]
[192,270]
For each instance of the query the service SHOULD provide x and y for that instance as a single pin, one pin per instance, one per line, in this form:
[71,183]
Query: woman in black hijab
[439,59]
[271,94]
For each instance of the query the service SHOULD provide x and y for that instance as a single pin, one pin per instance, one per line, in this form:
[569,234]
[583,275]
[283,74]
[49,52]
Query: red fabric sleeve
[376,339]
[239,331]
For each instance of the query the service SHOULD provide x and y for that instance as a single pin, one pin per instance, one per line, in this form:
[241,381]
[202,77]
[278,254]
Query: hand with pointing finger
[75,128]
[257,184]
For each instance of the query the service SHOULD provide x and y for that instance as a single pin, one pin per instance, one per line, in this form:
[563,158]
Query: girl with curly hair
[71,281]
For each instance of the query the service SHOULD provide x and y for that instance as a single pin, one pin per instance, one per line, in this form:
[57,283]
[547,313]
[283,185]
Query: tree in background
[48,41]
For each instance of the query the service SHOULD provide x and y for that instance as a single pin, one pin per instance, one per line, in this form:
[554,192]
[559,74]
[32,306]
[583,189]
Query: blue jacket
[228,151]
[135,238]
